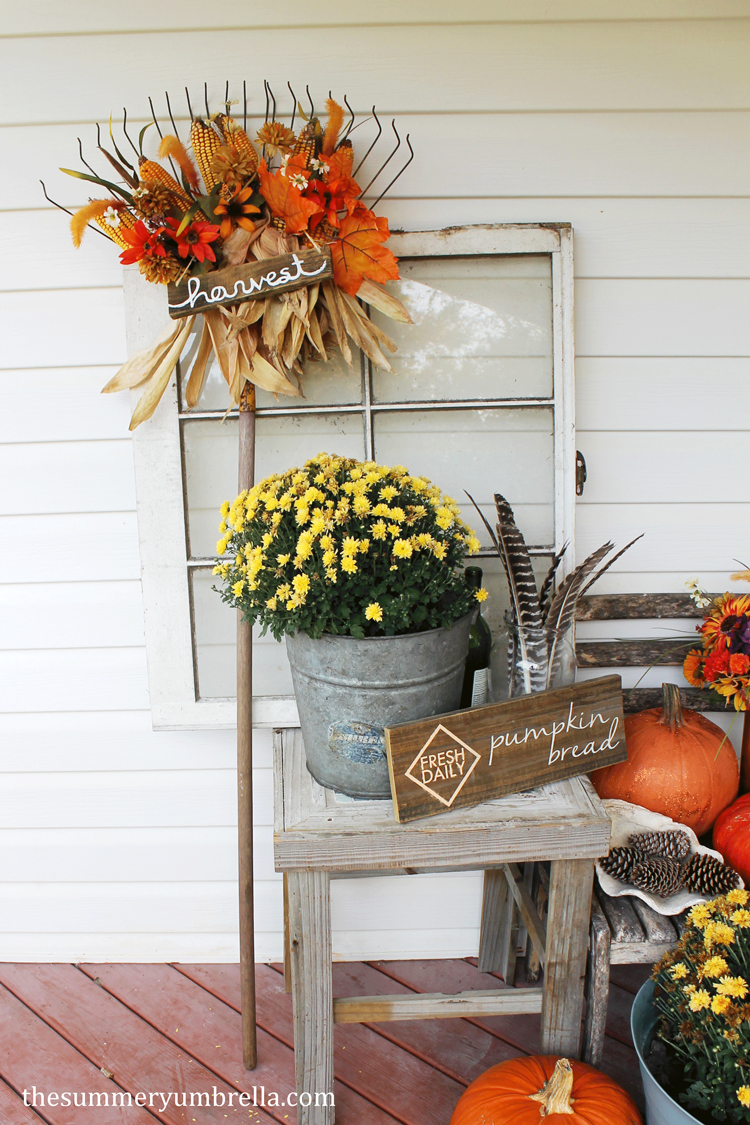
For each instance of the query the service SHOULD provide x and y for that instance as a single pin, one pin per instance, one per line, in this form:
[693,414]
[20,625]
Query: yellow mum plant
[345,547]
[703,1000]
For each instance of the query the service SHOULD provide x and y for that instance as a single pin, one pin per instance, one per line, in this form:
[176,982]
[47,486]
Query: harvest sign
[251,281]
[461,759]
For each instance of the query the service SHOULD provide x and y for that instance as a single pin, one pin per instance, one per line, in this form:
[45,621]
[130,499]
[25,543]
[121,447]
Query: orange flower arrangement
[225,203]
[723,662]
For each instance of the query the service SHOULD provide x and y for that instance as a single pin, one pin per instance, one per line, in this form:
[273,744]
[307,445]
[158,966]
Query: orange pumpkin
[528,1091]
[732,836]
[679,764]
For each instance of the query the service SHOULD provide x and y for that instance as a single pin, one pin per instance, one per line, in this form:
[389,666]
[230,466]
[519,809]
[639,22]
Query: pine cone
[705,875]
[662,877]
[620,861]
[669,845]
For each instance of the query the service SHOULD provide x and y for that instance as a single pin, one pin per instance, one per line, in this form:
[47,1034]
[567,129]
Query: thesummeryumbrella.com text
[260,1098]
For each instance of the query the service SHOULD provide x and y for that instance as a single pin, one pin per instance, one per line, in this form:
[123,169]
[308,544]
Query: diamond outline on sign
[464,779]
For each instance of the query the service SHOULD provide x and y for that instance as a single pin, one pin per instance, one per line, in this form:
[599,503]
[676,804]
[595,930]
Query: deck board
[33,1054]
[413,1085]
[210,1031]
[176,1028]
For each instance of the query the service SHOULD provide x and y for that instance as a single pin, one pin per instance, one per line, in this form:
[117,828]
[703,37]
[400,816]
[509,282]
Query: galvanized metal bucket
[661,1109]
[348,690]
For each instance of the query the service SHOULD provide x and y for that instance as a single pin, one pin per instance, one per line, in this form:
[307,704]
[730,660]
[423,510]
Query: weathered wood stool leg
[498,935]
[571,881]
[312,994]
[597,985]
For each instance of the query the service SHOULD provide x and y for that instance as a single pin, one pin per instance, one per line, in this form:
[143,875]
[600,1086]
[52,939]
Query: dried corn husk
[157,384]
[200,368]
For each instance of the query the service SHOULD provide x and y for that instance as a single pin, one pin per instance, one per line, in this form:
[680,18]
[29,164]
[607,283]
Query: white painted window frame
[160,497]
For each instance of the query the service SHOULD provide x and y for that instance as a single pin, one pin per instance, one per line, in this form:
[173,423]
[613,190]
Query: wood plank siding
[629,119]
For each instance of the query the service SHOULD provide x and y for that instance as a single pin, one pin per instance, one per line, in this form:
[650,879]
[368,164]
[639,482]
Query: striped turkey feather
[518,568]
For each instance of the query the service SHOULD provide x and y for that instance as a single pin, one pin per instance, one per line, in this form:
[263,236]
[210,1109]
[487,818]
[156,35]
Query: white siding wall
[628,118]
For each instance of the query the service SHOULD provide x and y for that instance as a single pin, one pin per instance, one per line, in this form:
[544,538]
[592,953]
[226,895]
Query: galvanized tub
[661,1109]
[349,689]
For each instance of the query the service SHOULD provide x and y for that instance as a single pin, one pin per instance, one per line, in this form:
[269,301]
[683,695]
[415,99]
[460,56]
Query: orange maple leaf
[286,200]
[358,253]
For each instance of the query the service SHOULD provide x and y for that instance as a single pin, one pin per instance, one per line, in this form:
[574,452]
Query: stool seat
[317,835]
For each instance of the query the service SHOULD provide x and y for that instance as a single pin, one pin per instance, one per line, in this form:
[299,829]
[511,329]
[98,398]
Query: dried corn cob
[280,224]
[220,121]
[127,219]
[150,172]
[305,145]
[205,142]
[325,232]
[238,137]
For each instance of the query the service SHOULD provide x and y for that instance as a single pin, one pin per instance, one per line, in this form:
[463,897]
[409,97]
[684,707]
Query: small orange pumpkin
[679,764]
[527,1091]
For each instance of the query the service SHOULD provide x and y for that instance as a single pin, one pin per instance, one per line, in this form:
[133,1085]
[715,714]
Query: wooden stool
[316,837]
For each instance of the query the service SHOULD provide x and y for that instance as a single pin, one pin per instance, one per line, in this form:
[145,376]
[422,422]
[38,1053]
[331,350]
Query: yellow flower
[738,897]
[361,505]
[225,509]
[364,546]
[271,603]
[304,545]
[732,986]
[378,530]
[276,519]
[714,967]
[679,971]
[282,560]
[301,584]
[398,515]
[328,557]
[331,575]
[238,588]
[481,594]
[221,546]
[444,518]
[222,527]
[267,539]
[472,544]
[303,513]
[374,612]
[388,492]
[439,550]
[326,542]
[284,592]
[318,522]
[699,1000]
[717,933]
[700,915]
[381,510]
[719,1005]
[741,918]
[402,549]
[349,546]
[743,1095]
[348,564]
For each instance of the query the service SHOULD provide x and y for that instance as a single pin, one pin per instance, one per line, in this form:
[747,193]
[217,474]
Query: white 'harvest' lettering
[219,293]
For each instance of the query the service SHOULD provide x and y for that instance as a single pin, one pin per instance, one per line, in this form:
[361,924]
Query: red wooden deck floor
[175,1029]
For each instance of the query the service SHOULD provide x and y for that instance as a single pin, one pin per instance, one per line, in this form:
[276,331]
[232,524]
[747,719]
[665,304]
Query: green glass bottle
[475,690]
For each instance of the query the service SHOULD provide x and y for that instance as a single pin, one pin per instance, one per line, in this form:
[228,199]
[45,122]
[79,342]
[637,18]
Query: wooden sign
[250,281]
[461,759]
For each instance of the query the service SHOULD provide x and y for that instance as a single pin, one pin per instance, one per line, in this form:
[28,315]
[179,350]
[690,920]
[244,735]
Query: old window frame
[160,493]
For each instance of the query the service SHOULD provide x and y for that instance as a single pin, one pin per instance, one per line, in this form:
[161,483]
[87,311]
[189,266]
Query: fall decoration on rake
[236,201]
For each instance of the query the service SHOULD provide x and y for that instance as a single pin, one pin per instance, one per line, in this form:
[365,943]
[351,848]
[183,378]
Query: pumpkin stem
[555,1093]
[671,707]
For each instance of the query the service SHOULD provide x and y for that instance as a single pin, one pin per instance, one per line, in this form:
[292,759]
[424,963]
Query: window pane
[482,329]
[210,449]
[482,452]
[323,383]
[216,652]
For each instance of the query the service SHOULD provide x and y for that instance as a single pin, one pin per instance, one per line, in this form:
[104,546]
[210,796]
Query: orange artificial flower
[728,605]
[692,668]
[235,210]
[739,664]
